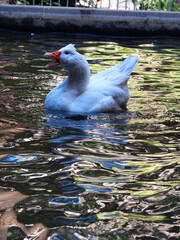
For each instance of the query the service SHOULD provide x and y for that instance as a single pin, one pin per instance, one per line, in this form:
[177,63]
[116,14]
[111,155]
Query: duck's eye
[66,52]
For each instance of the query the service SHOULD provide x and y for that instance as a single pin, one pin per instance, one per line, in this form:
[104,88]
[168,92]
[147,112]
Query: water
[107,176]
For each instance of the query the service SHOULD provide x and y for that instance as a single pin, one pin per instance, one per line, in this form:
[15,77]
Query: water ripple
[102,176]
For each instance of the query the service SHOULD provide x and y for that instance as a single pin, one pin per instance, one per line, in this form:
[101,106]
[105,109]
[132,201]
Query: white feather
[106,91]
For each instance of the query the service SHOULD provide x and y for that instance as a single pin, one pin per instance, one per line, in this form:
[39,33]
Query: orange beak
[55,56]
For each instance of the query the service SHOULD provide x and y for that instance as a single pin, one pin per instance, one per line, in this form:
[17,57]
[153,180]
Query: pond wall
[90,21]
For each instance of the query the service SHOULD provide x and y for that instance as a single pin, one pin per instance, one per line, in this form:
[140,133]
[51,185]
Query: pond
[107,176]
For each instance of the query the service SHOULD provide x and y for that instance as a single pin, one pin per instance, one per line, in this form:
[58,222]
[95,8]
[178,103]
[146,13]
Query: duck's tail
[125,69]
[118,74]
[128,65]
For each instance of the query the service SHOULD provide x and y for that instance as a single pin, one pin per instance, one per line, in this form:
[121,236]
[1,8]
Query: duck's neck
[78,77]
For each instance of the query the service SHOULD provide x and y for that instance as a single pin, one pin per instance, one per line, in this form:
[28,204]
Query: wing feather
[115,75]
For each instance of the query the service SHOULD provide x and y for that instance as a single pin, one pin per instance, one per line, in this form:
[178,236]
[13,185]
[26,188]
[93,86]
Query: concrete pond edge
[89,21]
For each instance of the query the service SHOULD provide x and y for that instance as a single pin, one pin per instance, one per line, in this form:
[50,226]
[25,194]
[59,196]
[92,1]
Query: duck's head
[67,57]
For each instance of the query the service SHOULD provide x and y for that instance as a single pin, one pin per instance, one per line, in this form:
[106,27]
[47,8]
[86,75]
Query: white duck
[106,91]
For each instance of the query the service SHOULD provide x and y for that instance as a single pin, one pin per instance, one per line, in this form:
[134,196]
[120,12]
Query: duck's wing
[116,75]
[107,90]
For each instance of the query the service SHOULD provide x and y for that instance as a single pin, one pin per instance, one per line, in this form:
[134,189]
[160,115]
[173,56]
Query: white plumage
[106,91]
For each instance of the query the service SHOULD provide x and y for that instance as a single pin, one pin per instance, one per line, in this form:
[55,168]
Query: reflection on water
[101,176]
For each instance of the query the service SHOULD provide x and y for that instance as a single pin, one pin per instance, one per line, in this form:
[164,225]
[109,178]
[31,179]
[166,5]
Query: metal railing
[152,5]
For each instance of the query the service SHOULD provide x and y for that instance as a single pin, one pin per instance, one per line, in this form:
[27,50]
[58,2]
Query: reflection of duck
[63,131]
[106,91]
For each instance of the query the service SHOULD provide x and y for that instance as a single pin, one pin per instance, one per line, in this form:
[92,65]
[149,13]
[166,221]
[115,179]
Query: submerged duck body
[106,91]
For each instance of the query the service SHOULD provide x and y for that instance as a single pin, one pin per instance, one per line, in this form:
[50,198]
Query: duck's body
[106,91]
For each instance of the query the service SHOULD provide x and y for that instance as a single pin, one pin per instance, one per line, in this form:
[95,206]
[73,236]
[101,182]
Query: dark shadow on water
[73,127]
[104,176]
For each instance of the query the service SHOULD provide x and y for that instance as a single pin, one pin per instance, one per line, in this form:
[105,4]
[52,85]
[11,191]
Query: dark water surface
[110,176]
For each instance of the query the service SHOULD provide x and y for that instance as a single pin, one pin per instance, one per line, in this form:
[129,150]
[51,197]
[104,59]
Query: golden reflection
[124,166]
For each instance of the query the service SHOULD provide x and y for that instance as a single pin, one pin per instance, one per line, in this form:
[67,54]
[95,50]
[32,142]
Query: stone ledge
[93,21]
